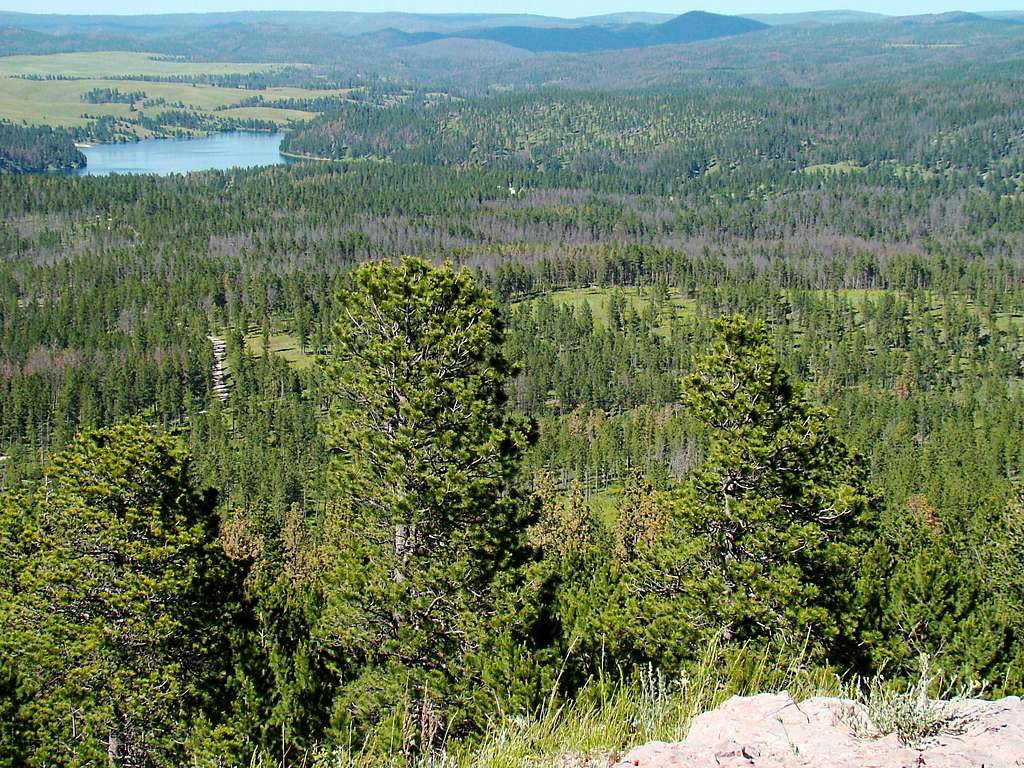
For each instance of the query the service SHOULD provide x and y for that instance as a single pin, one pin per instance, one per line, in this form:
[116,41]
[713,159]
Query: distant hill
[814,18]
[1011,15]
[337,22]
[790,55]
[610,52]
[951,17]
[958,19]
[461,49]
[627,17]
[262,42]
[528,32]
[688,28]
[16,40]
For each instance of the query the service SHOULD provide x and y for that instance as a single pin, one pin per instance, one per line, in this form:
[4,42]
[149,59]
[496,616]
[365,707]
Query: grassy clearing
[639,299]
[59,102]
[100,64]
[909,171]
[842,167]
[605,503]
[281,344]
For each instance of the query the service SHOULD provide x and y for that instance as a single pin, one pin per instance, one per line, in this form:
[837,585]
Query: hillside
[547,408]
[696,50]
[34,150]
[688,28]
[813,18]
[661,140]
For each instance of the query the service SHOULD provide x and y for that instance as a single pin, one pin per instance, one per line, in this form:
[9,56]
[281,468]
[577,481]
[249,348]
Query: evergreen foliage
[119,605]
[427,529]
[780,509]
[763,544]
[26,149]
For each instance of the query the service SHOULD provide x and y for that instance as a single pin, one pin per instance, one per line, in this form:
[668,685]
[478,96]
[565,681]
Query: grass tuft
[880,708]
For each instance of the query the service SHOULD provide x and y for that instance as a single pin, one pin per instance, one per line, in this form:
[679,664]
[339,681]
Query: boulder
[775,731]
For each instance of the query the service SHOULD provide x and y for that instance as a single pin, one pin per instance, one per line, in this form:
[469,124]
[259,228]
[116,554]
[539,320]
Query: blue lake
[165,156]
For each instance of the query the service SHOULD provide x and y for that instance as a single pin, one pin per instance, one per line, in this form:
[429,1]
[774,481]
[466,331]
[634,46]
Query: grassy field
[282,344]
[639,299]
[100,64]
[844,166]
[59,102]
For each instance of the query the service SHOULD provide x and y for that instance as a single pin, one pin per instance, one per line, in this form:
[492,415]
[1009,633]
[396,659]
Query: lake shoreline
[300,156]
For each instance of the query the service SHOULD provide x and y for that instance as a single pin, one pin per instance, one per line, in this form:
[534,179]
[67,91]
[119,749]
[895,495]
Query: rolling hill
[688,28]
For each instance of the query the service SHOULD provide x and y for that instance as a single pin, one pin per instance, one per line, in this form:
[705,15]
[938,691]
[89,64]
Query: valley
[572,377]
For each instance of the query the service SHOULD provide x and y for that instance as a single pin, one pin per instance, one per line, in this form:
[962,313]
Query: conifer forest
[535,386]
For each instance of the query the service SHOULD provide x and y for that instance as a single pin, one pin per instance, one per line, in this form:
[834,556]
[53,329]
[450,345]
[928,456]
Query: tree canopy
[428,519]
[120,605]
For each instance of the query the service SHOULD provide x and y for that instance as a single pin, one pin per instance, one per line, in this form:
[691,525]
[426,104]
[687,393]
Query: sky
[568,8]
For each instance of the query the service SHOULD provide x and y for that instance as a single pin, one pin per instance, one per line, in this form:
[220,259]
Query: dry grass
[611,715]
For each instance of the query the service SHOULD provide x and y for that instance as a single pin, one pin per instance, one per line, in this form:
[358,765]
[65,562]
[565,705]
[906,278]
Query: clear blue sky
[547,7]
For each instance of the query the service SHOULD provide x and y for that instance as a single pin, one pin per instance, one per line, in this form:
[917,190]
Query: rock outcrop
[774,731]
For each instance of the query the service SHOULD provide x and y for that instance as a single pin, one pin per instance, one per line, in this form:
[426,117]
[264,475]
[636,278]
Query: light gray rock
[774,731]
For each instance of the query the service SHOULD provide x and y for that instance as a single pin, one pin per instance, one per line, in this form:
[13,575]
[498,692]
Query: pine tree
[428,528]
[765,541]
[121,603]
[639,520]
[1005,566]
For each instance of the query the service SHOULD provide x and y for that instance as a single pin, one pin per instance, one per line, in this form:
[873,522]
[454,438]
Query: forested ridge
[531,398]
[32,150]
[666,138]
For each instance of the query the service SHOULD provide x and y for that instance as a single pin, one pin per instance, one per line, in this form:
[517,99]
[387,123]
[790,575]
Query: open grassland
[637,300]
[100,64]
[282,344]
[59,103]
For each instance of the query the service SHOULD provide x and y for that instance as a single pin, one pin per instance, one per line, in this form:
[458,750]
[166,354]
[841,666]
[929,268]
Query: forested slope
[730,394]
[31,150]
[675,141]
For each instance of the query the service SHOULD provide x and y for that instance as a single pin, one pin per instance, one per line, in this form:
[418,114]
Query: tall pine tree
[765,542]
[427,533]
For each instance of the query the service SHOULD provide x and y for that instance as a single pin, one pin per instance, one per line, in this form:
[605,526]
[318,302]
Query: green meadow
[59,102]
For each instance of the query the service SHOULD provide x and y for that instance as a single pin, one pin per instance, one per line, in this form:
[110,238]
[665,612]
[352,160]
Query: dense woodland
[33,149]
[659,372]
[674,141]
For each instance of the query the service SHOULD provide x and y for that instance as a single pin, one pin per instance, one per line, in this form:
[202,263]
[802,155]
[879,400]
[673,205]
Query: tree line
[37,149]
[437,583]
